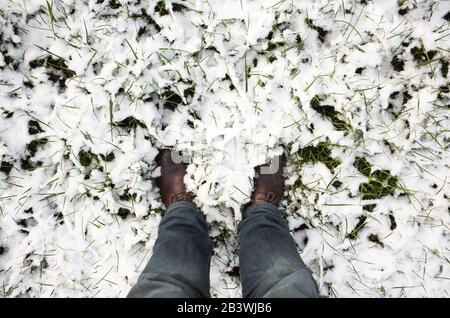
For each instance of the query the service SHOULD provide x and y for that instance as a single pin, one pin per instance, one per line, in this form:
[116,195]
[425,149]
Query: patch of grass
[369,207]
[57,70]
[421,56]
[161,8]
[299,44]
[319,153]
[363,166]
[114,4]
[322,33]
[129,123]
[381,183]
[29,165]
[127,196]
[148,19]
[330,113]
[171,100]
[194,116]
[224,235]
[353,235]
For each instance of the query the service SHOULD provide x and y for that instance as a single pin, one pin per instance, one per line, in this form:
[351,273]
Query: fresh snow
[91,89]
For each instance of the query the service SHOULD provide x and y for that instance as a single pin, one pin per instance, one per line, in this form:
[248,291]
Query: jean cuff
[261,207]
[184,205]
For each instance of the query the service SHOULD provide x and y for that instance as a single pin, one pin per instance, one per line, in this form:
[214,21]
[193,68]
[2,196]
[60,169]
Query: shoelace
[180,196]
[269,197]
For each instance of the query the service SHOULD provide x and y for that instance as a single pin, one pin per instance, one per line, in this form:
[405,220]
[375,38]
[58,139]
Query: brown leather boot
[269,187]
[170,183]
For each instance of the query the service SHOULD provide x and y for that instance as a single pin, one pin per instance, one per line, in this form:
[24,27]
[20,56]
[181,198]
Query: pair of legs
[270,265]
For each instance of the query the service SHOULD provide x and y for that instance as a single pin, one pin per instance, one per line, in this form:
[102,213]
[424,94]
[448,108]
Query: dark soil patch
[337,184]
[228,78]
[359,70]
[8,114]
[31,221]
[398,64]
[86,157]
[444,67]
[397,102]
[59,218]
[189,92]
[108,157]
[28,211]
[123,213]
[234,271]
[6,166]
[447,16]
[34,127]
[393,225]
[374,238]
[33,146]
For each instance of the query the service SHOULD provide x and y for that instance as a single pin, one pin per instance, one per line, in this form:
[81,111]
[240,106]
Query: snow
[95,76]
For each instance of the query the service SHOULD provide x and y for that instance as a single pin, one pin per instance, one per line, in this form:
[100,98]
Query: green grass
[319,153]
[329,112]
[380,184]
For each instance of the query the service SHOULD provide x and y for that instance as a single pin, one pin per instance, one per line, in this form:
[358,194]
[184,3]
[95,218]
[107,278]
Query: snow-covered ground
[355,91]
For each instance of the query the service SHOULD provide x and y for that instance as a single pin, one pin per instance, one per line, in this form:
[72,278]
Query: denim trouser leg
[270,265]
[179,266]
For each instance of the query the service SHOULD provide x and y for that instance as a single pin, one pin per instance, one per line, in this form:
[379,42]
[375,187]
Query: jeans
[270,265]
